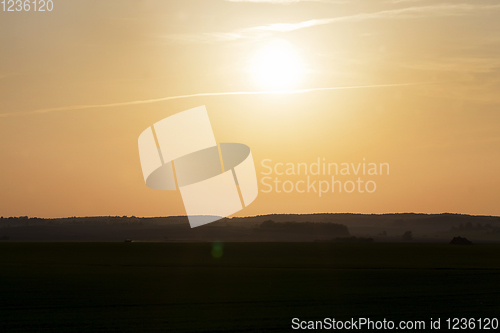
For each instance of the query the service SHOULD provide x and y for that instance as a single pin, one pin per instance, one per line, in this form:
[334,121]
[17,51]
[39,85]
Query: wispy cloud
[440,10]
[401,1]
[162,99]
[287,2]
[209,37]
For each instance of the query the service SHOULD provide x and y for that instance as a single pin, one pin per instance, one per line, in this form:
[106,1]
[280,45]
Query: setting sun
[277,66]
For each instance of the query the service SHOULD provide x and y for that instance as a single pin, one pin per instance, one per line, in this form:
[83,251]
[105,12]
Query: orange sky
[439,136]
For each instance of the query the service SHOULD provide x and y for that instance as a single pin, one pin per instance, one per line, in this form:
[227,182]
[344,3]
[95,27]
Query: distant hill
[446,220]
[287,227]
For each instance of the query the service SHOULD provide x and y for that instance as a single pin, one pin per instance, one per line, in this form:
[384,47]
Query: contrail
[161,99]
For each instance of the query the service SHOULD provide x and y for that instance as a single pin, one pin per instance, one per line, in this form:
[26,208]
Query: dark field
[252,287]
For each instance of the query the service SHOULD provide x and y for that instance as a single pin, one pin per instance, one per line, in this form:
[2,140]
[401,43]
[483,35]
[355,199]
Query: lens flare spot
[217,250]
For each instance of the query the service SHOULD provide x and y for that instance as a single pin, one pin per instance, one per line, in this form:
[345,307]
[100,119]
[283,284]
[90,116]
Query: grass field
[252,287]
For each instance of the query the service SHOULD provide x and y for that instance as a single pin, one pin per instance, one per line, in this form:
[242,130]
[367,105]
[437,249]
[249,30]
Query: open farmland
[239,287]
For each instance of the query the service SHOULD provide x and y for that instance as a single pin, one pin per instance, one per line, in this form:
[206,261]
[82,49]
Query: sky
[410,83]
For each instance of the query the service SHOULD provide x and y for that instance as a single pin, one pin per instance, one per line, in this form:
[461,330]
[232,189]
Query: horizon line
[236,217]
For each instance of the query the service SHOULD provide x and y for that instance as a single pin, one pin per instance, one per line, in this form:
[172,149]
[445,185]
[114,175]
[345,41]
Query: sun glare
[277,66]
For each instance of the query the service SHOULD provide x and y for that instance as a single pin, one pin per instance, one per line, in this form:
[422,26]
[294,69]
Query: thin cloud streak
[162,99]
[402,13]
[287,2]
[401,1]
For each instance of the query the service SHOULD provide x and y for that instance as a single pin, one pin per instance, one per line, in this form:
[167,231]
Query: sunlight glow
[277,66]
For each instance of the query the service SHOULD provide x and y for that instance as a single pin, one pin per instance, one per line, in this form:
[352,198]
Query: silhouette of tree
[408,236]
